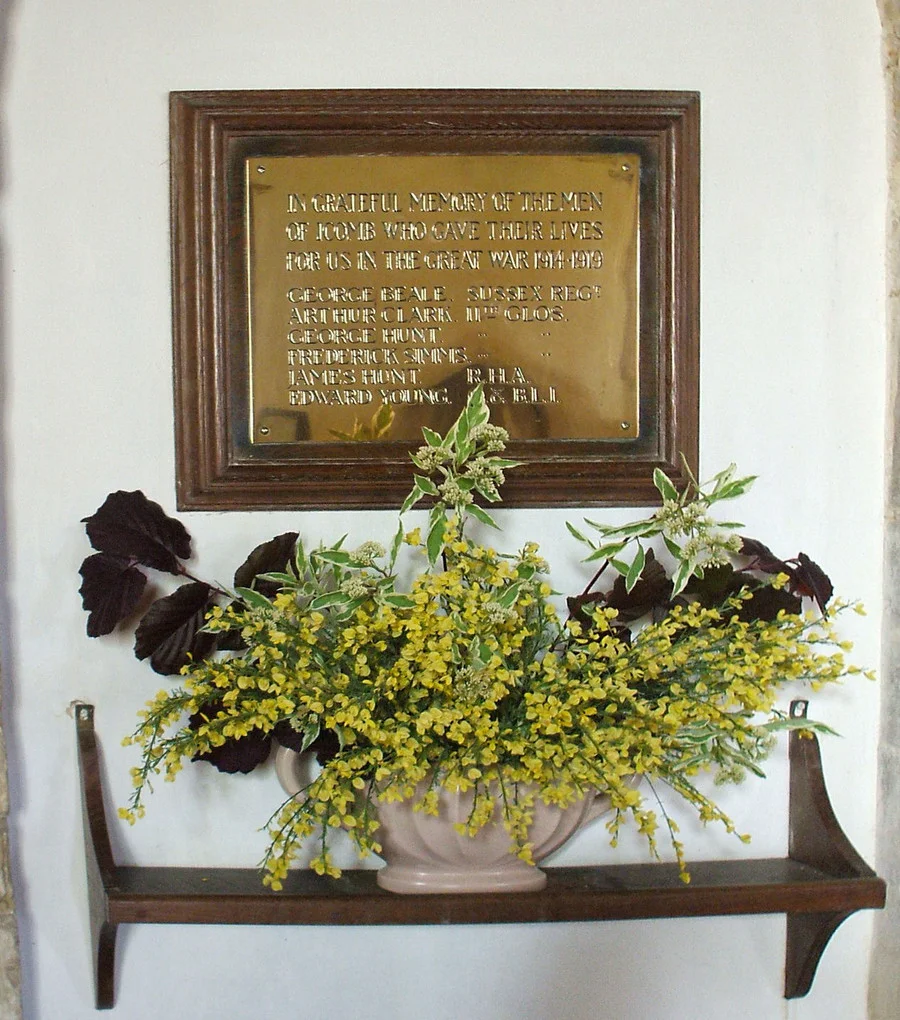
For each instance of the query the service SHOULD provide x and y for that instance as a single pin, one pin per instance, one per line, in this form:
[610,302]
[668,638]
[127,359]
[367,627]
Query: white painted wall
[792,381]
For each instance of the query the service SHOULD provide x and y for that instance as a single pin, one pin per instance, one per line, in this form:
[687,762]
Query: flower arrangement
[469,677]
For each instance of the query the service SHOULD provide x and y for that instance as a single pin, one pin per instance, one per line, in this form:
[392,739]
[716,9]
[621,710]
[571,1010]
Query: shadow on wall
[10,968]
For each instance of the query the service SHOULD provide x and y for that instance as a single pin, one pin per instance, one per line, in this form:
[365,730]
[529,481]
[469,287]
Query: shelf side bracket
[101,867]
[807,937]
[817,839]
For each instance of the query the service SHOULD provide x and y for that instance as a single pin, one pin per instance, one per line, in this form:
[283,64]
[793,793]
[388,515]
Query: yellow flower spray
[471,681]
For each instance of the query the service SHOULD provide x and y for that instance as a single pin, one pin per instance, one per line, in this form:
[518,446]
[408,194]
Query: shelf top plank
[236,895]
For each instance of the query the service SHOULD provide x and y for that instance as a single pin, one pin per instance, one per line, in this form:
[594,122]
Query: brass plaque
[348,264]
[404,280]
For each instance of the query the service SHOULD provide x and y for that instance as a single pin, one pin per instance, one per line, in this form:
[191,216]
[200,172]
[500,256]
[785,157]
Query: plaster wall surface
[793,365]
[886,946]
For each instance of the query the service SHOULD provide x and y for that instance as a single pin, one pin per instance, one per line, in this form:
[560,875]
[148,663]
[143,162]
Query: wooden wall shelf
[821,882]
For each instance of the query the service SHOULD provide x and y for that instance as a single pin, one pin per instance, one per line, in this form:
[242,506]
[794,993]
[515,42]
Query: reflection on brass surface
[405,280]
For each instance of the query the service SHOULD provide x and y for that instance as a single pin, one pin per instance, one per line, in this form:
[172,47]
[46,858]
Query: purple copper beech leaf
[170,632]
[110,591]
[236,754]
[132,527]
[806,578]
[269,558]
[810,579]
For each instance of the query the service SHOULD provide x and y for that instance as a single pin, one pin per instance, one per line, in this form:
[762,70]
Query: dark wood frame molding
[213,132]
[821,882]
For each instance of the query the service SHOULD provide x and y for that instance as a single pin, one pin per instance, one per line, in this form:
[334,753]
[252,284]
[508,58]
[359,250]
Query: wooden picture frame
[214,135]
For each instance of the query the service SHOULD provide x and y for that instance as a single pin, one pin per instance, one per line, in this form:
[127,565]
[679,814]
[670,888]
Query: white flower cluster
[683,518]
[486,475]
[355,587]
[706,544]
[499,614]
[711,549]
[368,552]
[492,437]
[472,685]
[453,494]
[430,458]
